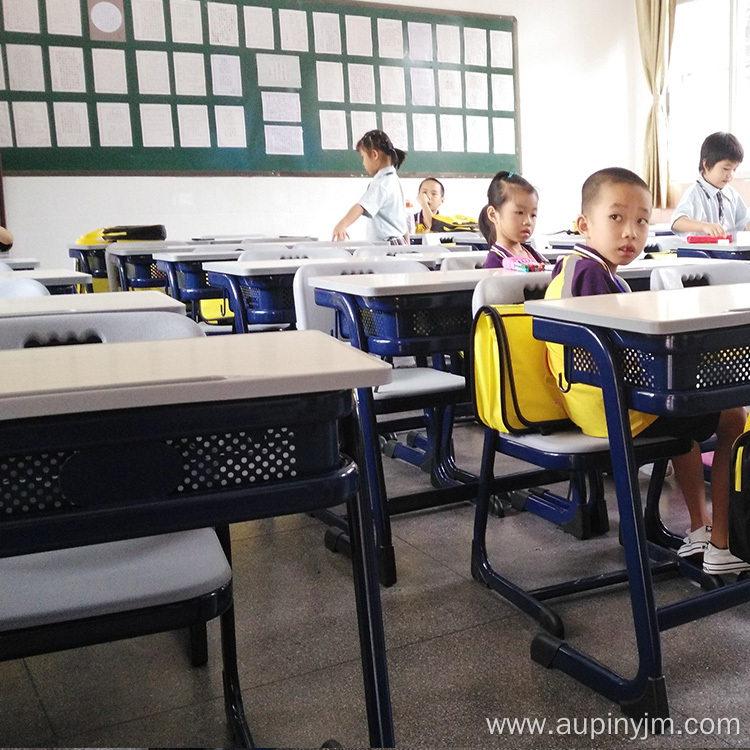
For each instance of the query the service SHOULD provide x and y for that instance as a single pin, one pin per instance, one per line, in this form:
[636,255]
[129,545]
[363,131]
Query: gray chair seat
[102,579]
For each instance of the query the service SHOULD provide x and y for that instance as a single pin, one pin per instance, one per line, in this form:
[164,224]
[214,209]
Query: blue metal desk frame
[257,300]
[117,507]
[645,693]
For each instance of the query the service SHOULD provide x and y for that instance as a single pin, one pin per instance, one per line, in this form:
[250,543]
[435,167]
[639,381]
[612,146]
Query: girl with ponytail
[508,220]
[383,202]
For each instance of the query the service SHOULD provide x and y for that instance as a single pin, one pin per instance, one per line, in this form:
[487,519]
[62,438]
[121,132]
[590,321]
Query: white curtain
[655,31]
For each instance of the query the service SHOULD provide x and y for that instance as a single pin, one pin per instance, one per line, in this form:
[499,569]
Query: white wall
[583,106]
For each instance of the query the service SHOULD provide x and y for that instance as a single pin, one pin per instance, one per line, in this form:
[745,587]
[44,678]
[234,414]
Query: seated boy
[712,206]
[430,197]
[614,219]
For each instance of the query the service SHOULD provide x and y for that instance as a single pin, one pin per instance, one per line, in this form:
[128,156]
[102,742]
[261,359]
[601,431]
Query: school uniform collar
[709,189]
[588,252]
[384,172]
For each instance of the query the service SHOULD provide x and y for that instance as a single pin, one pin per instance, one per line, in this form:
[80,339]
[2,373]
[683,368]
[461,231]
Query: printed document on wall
[71,124]
[284,140]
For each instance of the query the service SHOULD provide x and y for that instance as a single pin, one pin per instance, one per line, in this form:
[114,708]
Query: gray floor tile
[458,654]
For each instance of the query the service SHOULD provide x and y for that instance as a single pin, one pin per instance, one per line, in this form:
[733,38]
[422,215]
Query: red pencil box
[700,239]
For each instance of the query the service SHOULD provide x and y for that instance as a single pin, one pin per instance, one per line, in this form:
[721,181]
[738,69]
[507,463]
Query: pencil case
[706,240]
[524,265]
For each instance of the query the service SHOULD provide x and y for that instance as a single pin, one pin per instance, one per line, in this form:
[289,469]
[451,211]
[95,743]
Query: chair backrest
[701,273]
[280,251]
[22,288]
[384,250]
[89,328]
[509,289]
[349,245]
[463,262]
[313,316]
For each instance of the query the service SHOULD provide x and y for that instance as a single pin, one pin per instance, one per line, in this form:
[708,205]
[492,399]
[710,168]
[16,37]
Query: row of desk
[41,395]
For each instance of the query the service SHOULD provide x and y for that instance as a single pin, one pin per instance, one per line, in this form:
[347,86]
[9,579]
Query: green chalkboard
[266,87]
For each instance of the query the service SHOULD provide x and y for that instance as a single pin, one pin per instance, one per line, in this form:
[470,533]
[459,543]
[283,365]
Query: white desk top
[93,377]
[675,311]
[148,248]
[18,263]
[49,276]
[386,284]
[56,304]
[266,267]
[183,256]
[730,247]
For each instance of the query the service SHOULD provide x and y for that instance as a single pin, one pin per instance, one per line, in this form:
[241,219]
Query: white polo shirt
[699,202]
[384,204]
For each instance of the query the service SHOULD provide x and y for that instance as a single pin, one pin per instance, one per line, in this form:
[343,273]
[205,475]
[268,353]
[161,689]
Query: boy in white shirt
[711,206]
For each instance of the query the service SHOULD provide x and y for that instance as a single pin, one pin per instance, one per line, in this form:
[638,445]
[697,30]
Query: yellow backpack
[514,390]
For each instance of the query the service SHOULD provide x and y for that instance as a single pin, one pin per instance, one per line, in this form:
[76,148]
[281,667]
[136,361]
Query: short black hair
[608,176]
[433,179]
[717,147]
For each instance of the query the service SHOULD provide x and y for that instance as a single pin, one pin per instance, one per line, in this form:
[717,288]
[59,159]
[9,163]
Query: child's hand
[422,200]
[340,233]
[713,230]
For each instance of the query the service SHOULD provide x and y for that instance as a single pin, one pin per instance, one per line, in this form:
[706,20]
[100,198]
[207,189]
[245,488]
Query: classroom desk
[187,281]
[725,251]
[57,304]
[268,395]
[18,263]
[667,352]
[249,239]
[259,291]
[413,315]
[57,280]
[474,239]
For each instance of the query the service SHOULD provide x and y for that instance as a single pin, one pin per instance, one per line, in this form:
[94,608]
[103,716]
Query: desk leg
[646,693]
[369,611]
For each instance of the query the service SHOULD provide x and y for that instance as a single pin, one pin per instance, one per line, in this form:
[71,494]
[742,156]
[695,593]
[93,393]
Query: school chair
[384,250]
[22,288]
[518,402]
[281,252]
[69,598]
[434,392]
[702,273]
[349,245]
[463,262]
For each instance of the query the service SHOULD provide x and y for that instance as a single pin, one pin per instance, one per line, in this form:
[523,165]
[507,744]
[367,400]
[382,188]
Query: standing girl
[508,220]
[383,202]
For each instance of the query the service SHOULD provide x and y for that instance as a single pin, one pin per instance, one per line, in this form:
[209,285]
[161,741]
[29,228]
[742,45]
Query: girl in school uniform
[508,220]
[383,202]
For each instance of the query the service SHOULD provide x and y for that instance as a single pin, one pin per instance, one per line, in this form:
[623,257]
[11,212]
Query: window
[709,80]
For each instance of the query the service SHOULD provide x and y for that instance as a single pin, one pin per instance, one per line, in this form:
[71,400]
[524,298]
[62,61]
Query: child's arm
[339,231]
[686,224]
[426,212]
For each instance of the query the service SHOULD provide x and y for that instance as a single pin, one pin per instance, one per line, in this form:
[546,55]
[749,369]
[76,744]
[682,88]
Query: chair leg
[198,644]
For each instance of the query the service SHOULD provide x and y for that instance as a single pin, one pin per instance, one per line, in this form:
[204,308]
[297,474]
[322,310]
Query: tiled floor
[458,655]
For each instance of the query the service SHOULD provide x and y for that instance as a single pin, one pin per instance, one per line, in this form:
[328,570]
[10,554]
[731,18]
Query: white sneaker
[695,542]
[719,561]
[648,469]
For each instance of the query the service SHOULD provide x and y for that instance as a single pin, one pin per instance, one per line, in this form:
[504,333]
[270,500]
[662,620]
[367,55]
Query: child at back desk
[614,219]
[430,197]
[711,206]
[508,220]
